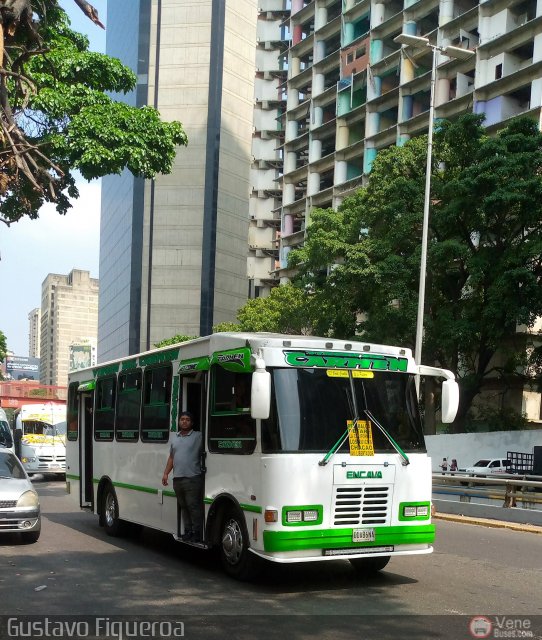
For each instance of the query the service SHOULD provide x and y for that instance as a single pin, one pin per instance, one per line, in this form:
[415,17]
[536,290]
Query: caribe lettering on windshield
[326,360]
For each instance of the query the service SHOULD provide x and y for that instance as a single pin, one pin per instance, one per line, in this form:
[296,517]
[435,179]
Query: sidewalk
[487,522]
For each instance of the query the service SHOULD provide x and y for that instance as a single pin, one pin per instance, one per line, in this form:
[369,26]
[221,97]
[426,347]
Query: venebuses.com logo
[500,627]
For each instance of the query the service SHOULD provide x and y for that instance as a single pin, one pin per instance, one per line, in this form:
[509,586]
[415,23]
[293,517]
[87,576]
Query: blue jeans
[189,492]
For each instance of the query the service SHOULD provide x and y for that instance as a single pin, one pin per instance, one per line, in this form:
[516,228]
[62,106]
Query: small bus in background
[40,438]
[313,447]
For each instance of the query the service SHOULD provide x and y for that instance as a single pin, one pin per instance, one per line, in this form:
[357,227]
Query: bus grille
[361,505]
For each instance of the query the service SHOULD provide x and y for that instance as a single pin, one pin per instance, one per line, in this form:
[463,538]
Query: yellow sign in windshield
[341,373]
[360,438]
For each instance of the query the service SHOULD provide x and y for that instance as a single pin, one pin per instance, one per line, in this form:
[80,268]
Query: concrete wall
[467,448]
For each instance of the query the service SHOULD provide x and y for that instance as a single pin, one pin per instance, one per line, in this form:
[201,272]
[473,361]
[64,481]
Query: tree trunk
[466,396]
[430,423]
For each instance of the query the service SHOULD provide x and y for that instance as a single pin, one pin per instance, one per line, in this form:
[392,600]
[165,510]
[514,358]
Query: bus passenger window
[104,415]
[73,418]
[231,429]
[128,407]
[155,415]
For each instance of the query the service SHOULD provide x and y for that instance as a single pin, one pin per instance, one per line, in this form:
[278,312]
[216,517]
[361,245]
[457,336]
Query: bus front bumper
[334,544]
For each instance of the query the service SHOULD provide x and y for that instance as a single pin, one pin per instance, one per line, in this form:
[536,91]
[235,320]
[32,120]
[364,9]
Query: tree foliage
[56,114]
[484,266]
[286,310]
[3,349]
[179,337]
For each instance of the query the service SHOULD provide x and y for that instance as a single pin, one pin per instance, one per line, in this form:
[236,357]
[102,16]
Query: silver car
[19,502]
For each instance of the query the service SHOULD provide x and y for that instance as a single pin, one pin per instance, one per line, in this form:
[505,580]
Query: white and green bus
[313,447]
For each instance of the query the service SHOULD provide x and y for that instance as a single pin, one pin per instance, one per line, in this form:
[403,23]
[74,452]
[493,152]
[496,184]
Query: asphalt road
[75,569]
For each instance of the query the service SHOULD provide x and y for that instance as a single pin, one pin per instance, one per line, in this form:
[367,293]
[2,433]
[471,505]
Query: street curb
[486,522]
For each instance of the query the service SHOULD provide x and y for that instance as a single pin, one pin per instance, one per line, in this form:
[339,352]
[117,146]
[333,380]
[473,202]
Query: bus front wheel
[113,525]
[236,558]
[369,566]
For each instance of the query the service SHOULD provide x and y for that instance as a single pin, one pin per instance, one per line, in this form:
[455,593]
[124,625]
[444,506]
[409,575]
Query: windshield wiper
[354,410]
[336,446]
[388,437]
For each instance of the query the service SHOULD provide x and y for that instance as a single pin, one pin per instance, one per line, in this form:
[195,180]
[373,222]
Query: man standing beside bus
[185,460]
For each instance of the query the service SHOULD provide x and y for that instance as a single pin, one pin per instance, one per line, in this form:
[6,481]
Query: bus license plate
[363,535]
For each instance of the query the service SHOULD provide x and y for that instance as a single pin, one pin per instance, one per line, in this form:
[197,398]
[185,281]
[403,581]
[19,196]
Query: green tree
[484,255]
[57,115]
[286,310]
[179,337]
[3,350]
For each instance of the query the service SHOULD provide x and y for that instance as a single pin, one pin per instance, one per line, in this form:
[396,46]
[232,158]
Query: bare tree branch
[89,11]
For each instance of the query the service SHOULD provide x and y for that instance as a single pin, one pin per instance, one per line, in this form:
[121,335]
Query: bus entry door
[86,442]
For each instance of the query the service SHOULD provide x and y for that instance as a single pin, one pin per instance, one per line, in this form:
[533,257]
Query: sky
[31,249]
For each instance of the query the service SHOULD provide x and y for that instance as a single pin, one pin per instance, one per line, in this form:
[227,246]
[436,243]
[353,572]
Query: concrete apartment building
[69,315]
[335,88]
[173,251]
[34,333]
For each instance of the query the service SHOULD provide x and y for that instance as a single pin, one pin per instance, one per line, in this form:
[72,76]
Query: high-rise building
[173,251]
[69,314]
[351,90]
[34,329]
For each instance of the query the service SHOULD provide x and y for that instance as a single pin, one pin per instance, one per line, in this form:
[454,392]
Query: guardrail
[514,498]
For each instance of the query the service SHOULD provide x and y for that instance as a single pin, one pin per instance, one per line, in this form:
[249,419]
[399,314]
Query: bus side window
[128,406]
[231,429]
[156,404]
[73,422]
[104,415]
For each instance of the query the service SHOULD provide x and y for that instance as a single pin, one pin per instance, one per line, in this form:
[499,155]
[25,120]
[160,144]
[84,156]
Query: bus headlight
[414,511]
[294,516]
[28,499]
[310,514]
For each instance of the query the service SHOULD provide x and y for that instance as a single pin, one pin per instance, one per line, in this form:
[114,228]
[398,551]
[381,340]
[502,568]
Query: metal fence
[511,498]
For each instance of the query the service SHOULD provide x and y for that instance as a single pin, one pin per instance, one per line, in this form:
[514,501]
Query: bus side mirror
[450,400]
[260,395]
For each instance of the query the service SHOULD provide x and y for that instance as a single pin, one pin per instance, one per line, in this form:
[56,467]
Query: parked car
[6,439]
[489,466]
[19,502]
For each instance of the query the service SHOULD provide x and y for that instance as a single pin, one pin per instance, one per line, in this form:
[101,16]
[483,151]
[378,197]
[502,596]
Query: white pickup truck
[489,466]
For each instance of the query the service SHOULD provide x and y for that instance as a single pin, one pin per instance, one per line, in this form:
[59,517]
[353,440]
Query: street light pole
[425,225]
[419,42]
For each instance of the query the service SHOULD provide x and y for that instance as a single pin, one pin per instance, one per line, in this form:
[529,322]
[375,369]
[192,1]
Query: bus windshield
[311,409]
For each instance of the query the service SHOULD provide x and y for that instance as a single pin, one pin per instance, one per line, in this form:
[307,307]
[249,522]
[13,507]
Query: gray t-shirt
[186,451]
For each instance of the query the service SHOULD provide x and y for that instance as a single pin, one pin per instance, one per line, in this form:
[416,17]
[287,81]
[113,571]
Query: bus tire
[369,566]
[113,525]
[237,561]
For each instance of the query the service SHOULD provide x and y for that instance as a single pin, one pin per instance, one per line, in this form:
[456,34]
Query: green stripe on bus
[251,507]
[158,357]
[133,487]
[342,538]
[107,370]
[254,508]
[69,476]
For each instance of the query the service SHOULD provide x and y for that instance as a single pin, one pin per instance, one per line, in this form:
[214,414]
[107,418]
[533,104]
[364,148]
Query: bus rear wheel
[113,525]
[369,566]
[236,558]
